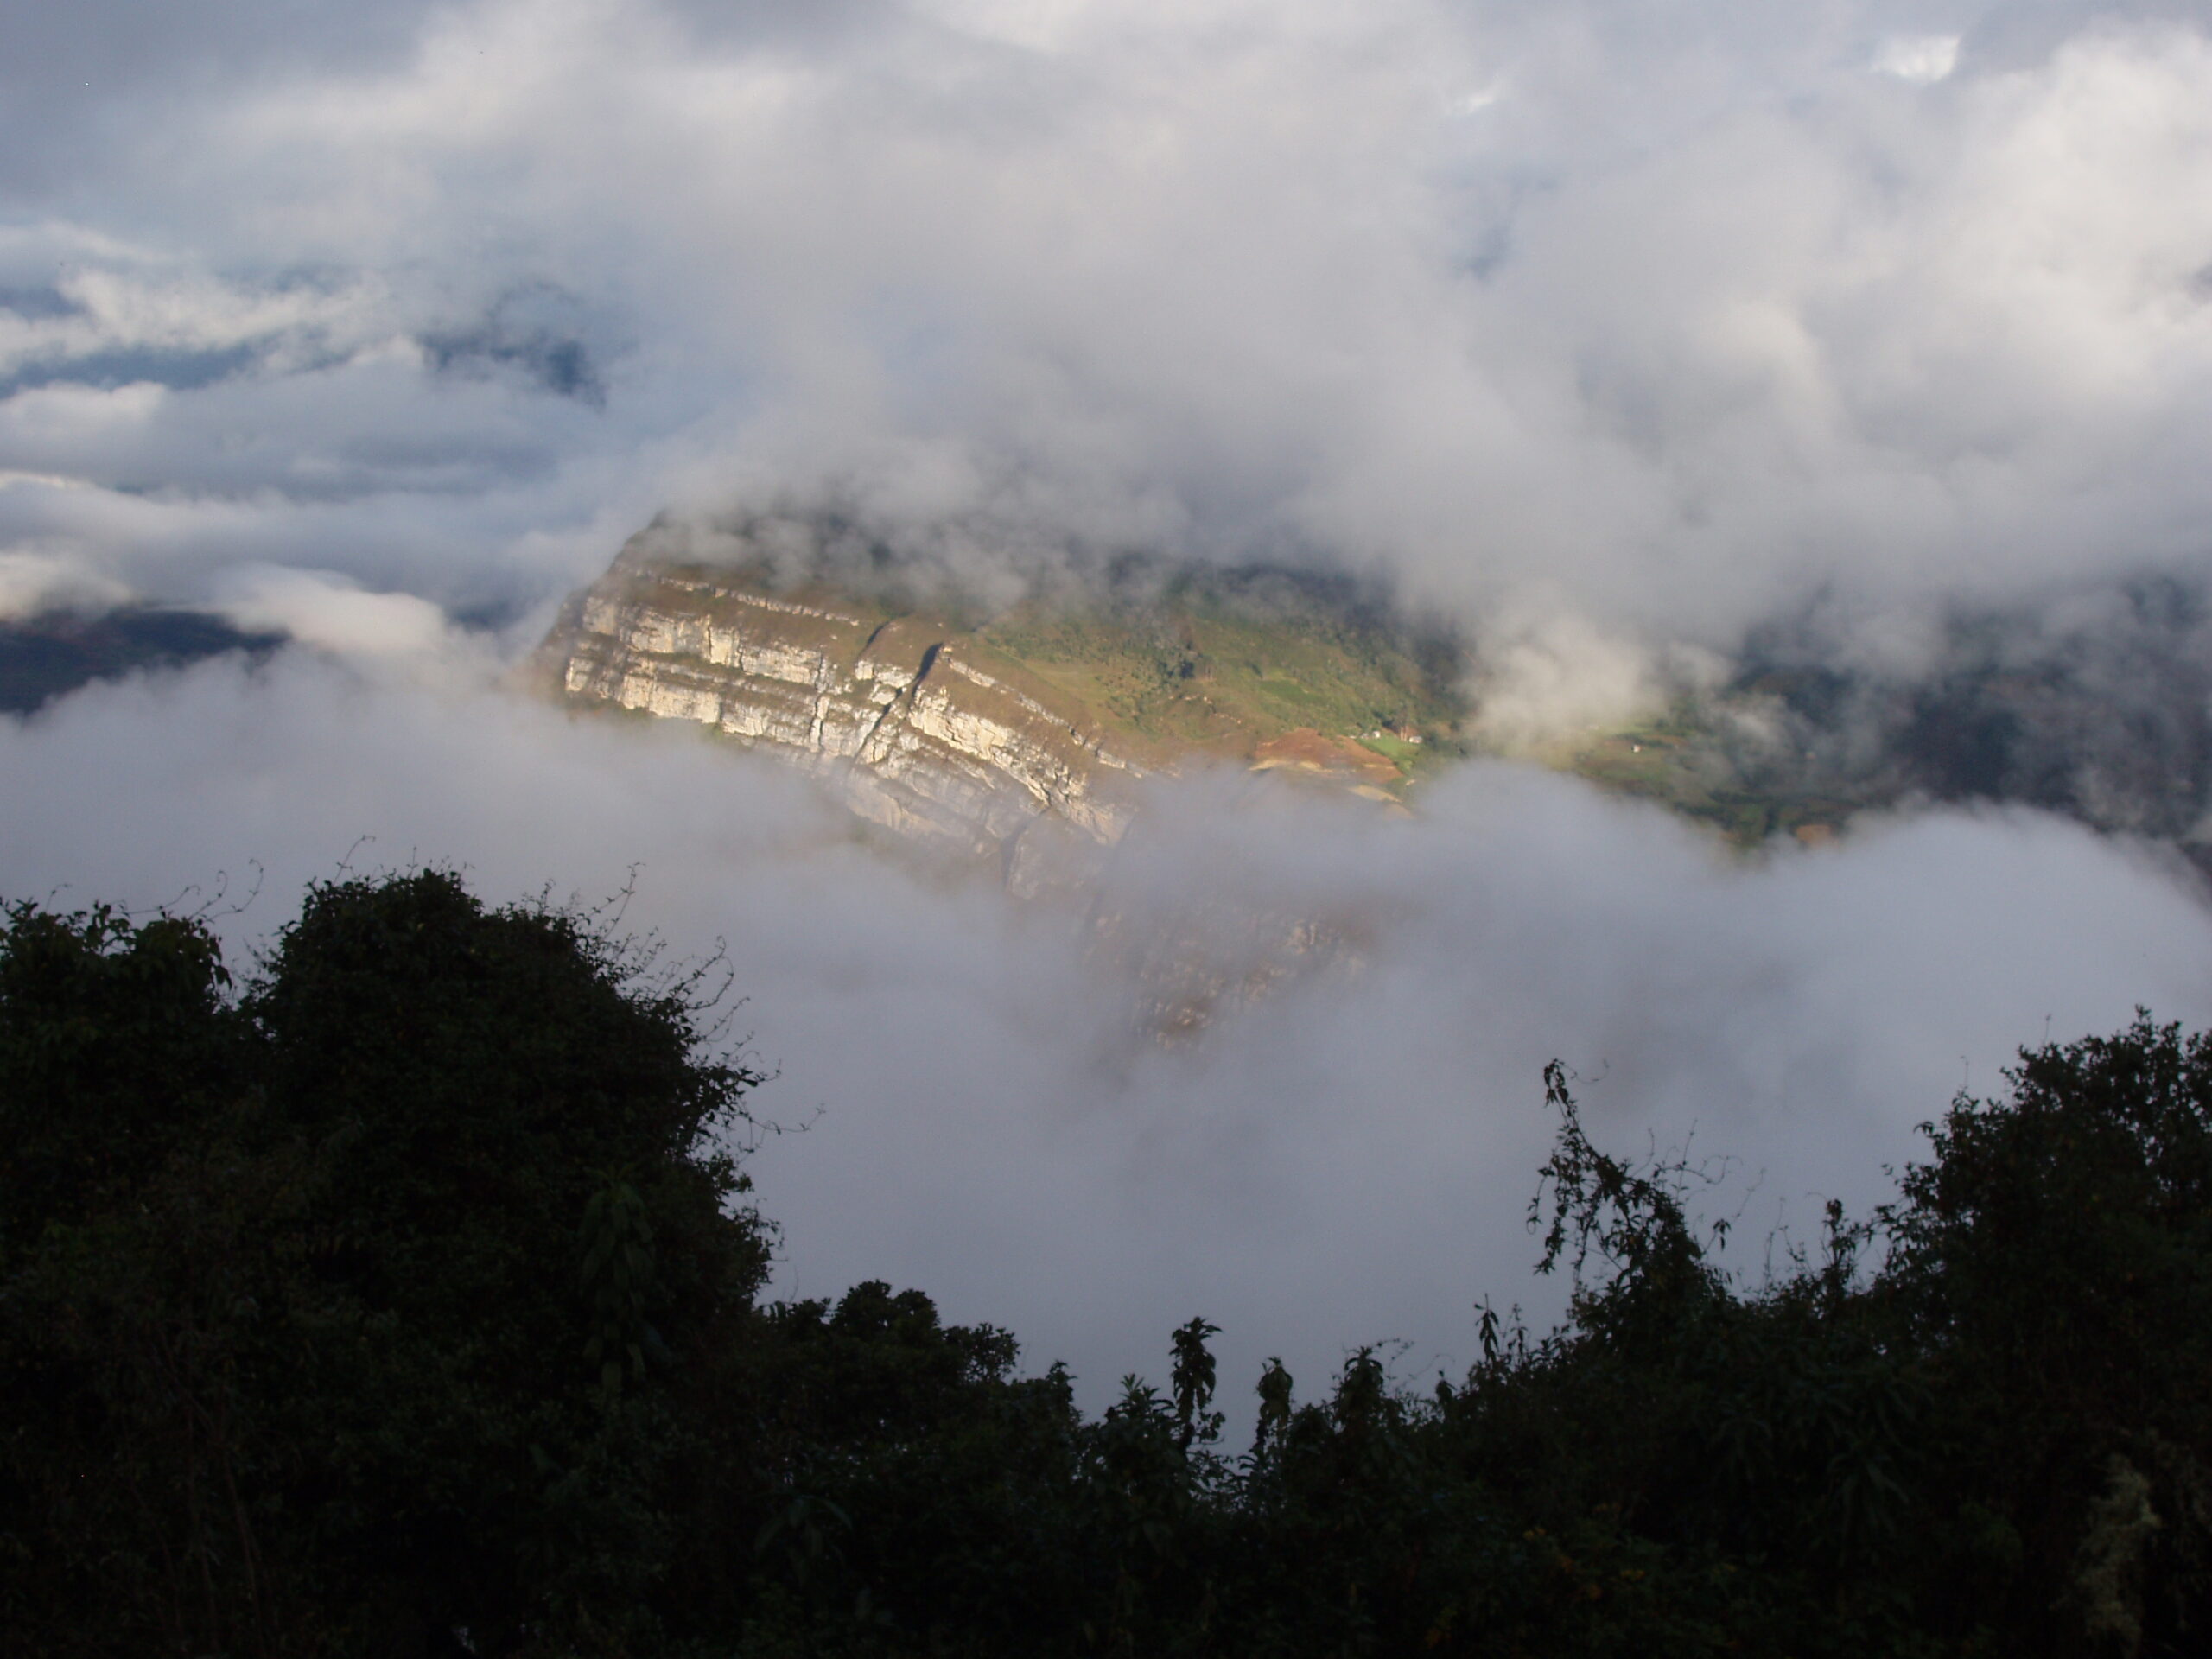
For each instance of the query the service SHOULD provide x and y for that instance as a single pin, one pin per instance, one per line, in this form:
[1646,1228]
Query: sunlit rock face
[1022,739]
[926,731]
[920,728]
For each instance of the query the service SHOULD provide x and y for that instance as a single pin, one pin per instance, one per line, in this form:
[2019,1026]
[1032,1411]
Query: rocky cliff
[1022,739]
[1022,731]
[920,725]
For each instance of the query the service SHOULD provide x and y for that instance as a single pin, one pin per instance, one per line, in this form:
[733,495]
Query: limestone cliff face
[921,729]
[925,728]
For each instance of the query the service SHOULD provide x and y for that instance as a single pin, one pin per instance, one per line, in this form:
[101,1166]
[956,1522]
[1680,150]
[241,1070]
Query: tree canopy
[403,1296]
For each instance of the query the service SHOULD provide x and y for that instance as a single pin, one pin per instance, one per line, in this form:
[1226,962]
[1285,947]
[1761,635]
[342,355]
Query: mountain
[1018,734]
[2096,707]
[44,657]
[1020,731]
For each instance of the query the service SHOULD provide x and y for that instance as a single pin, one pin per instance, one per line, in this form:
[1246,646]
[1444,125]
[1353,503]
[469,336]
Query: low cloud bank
[1345,1160]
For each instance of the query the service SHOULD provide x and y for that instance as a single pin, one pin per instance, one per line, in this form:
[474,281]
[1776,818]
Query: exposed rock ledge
[921,729]
[928,730]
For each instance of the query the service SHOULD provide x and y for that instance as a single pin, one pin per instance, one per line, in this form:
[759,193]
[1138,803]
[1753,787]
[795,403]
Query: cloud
[322,609]
[1921,59]
[1346,1160]
[33,585]
[1610,329]
[1548,674]
[1696,317]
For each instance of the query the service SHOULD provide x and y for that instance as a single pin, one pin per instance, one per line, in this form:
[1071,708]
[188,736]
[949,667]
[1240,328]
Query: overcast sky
[1606,327]
[1659,313]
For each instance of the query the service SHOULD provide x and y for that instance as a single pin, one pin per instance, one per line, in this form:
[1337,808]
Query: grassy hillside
[1694,759]
[1222,664]
[1314,675]
[1202,673]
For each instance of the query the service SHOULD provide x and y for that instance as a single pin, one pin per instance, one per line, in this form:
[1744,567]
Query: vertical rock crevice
[966,759]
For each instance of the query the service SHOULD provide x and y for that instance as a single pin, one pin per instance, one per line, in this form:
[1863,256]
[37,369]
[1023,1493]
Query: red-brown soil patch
[1307,750]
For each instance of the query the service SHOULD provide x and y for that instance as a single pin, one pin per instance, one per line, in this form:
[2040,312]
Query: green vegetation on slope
[402,1301]
[1223,662]
[1691,759]
[1205,663]
[1221,668]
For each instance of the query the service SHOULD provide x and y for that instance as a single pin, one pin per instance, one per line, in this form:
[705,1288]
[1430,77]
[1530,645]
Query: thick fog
[1614,332]
[985,1113]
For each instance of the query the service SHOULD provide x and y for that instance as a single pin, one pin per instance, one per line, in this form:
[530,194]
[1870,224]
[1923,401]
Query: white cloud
[1550,675]
[1702,318]
[1921,59]
[1345,1162]
[64,421]
[32,584]
[352,324]
[323,609]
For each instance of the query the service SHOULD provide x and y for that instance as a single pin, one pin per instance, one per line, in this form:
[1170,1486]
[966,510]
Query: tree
[2053,1264]
[1190,1378]
[306,1311]
[403,1300]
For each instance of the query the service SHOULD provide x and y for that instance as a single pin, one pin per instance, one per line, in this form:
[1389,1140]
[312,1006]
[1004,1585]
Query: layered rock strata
[922,729]
[925,728]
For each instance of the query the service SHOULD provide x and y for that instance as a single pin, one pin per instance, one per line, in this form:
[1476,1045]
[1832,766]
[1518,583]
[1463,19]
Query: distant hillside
[996,732]
[995,728]
[43,657]
[2106,719]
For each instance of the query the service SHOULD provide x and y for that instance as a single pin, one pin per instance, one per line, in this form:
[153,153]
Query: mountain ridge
[1009,730]
[989,734]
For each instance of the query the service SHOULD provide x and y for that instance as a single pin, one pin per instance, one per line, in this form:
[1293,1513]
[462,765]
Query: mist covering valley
[1758,458]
